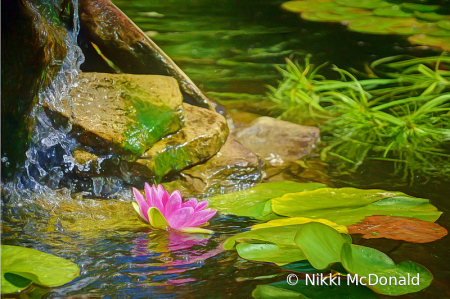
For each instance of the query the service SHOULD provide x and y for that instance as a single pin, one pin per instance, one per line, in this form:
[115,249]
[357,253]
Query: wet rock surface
[128,47]
[277,142]
[203,134]
[33,44]
[124,114]
[233,168]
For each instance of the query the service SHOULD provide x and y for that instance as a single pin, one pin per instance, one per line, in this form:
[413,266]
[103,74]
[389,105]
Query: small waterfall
[49,159]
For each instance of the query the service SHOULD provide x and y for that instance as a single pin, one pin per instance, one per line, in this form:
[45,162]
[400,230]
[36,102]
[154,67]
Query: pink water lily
[164,211]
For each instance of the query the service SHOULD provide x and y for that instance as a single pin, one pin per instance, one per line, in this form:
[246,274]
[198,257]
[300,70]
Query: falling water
[45,176]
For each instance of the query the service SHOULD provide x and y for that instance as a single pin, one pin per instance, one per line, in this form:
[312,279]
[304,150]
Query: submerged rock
[276,141]
[233,168]
[202,136]
[124,114]
[128,47]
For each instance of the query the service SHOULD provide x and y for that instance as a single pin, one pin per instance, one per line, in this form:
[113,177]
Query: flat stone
[233,168]
[276,141]
[122,113]
[203,134]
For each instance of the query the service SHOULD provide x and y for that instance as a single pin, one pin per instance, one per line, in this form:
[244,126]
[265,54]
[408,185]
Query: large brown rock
[33,42]
[276,141]
[123,114]
[128,47]
[203,134]
[233,168]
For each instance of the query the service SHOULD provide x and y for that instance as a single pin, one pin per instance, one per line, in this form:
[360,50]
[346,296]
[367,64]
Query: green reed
[401,114]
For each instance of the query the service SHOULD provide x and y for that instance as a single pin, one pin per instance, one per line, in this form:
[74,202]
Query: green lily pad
[301,290]
[347,206]
[433,41]
[321,246]
[381,25]
[392,11]
[302,267]
[429,16]
[252,202]
[309,6]
[300,220]
[271,253]
[434,30]
[333,17]
[371,265]
[312,16]
[406,29]
[367,4]
[352,11]
[282,236]
[444,24]
[23,266]
[294,204]
[419,7]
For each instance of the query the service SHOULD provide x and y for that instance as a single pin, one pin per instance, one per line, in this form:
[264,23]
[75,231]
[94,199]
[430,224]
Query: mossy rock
[119,113]
[203,134]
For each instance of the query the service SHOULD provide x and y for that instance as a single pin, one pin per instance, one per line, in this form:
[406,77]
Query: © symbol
[292,279]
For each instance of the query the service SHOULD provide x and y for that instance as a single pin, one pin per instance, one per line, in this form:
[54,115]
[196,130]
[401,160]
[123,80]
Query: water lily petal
[160,192]
[173,204]
[190,203]
[156,219]
[201,205]
[138,210]
[195,230]
[200,217]
[159,198]
[141,202]
[149,195]
[178,218]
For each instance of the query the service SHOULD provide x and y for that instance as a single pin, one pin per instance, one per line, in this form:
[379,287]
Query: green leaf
[419,7]
[301,290]
[300,220]
[347,206]
[271,253]
[252,202]
[22,266]
[373,264]
[320,243]
[157,219]
[444,24]
[392,11]
[429,16]
[282,236]
[383,25]
[367,4]
[309,6]
[302,267]
[272,292]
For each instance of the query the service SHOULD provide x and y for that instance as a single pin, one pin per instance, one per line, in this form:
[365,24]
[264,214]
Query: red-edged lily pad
[398,228]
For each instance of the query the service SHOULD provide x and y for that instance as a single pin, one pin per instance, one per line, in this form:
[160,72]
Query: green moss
[153,119]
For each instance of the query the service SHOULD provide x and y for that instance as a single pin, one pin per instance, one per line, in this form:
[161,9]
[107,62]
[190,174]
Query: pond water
[229,49]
